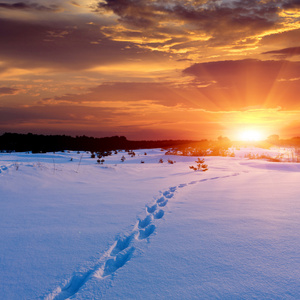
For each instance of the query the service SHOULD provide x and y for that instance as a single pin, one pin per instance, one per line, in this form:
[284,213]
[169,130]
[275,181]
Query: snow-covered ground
[286,154]
[148,230]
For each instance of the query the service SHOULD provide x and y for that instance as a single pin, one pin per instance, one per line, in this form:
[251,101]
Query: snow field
[141,231]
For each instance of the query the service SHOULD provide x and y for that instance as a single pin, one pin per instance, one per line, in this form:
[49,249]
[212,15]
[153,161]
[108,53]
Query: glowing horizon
[251,135]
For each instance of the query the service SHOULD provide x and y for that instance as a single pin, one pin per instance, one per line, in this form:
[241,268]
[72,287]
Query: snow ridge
[123,248]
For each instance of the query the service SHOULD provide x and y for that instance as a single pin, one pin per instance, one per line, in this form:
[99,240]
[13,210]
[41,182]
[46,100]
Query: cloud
[61,114]
[139,30]
[184,59]
[134,122]
[77,119]
[60,119]
[291,4]
[250,82]
[63,45]
[216,86]
[8,91]
[167,94]
[284,53]
[30,6]
[280,40]
[218,23]
[75,3]
[230,70]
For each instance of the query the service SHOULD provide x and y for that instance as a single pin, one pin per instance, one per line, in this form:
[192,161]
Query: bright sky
[158,69]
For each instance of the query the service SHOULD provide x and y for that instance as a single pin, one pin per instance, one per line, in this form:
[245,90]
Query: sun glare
[251,135]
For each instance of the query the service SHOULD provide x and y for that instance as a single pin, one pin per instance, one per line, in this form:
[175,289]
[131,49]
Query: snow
[128,230]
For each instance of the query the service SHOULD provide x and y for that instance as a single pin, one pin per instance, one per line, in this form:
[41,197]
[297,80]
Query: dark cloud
[149,28]
[167,94]
[246,83]
[228,72]
[138,13]
[53,114]
[280,40]
[30,6]
[228,21]
[8,91]
[184,59]
[221,85]
[61,119]
[67,119]
[98,122]
[75,3]
[62,46]
[291,4]
[133,121]
[286,52]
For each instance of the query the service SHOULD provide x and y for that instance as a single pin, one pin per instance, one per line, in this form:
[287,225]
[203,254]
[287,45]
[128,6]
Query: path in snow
[123,248]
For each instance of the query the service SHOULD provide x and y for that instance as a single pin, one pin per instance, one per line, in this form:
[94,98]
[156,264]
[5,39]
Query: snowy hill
[72,228]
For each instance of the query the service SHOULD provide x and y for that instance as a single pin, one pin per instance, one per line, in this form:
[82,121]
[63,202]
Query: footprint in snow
[73,286]
[151,209]
[159,214]
[145,222]
[122,243]
[168,194]
[113,264]
[162,203]
[145,233]
[173,189]
[161,199]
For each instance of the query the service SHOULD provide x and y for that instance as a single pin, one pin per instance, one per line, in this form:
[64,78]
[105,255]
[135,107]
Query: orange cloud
[8,91]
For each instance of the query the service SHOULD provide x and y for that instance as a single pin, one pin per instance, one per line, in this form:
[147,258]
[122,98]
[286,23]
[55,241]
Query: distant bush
[201,166]
[203,148]
[274,159]
[268,157]
[100,161]
[131,153]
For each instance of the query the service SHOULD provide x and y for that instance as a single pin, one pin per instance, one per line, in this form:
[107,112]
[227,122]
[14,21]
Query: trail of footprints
[123,248]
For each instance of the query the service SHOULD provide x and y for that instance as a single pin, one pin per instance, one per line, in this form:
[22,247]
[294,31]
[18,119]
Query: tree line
[52,143]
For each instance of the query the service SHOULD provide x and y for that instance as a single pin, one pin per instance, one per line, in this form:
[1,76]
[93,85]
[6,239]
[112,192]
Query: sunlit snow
[71,227]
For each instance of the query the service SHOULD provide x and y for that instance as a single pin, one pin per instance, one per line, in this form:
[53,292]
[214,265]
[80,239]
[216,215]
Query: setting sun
[251,135]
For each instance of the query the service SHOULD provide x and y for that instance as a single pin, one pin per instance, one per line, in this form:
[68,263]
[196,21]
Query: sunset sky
[150,69]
